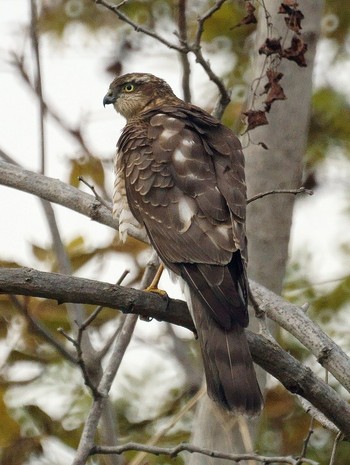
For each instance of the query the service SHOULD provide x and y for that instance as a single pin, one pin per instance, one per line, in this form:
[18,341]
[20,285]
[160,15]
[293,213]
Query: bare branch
[291,373]
[121,344]
[59,192]
[295,321]
[300,380]
[97,196]
[301,190]
[138,28]
[201,20]
[26,281]
[74,132]
[186,68]
[38,81]
[41,331]
[315,414]
[185,48]
[174,451]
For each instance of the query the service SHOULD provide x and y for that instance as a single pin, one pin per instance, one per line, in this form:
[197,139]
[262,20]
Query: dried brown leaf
[250,17]
[296,51]
[273,89]
[293,15]
[271,46]
[255,118]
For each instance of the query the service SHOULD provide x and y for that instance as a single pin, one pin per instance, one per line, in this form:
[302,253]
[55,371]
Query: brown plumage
[180,177]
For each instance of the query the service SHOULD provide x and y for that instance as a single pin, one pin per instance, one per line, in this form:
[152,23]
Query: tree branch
[294,320]
[174,451]
[185,48]
[186,68]
[138,28]
[58,192]
[301,190]
[122,341]
[291,373]
[26,281]
[74,132]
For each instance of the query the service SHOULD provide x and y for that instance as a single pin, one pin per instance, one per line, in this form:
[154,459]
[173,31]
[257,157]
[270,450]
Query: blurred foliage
[329,127]
[284,425]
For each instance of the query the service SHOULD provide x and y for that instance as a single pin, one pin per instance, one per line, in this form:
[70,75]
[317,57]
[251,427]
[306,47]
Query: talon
[153,287]
[155,290]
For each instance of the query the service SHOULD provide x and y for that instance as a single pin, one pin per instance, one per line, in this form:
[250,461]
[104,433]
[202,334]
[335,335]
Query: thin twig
[301,190]
[138,27]
[201,20]
[225,97]
[185,48]
[306,442]
[38,80]
[75,133]
[154,439]
[39,329]
[174,451]
[317,415]
[334,448]
[77,343]
[186,68]
[97,196]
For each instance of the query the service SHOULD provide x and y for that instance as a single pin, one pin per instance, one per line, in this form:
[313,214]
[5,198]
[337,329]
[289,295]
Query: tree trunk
[268,219]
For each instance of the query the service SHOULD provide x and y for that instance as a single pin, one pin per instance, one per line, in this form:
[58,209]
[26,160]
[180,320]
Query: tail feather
[230,375]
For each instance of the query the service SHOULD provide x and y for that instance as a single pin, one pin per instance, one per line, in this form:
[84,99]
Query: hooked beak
[109,98]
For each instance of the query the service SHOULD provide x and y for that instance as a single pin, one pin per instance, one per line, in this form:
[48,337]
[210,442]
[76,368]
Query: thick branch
[26,281]
[287,315]
[300,380]
[294,320]
[58,192]
[292,374]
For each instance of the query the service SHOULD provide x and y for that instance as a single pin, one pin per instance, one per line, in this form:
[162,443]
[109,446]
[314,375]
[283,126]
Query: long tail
[230,375]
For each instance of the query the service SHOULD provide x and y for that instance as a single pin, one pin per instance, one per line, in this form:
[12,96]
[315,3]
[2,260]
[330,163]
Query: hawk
[179,175]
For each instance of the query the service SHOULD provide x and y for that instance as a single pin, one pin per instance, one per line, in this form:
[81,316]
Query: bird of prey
[179,175]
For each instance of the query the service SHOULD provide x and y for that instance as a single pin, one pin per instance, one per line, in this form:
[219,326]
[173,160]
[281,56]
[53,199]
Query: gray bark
[291,373]
[269,219]
[280,167]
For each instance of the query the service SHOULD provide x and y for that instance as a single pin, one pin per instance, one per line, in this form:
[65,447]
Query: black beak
[108,99]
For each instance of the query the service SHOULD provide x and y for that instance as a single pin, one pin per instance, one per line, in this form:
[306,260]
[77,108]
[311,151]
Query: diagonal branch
[293,319]
[137,27]
[291,373]
[185,47]
[58,192]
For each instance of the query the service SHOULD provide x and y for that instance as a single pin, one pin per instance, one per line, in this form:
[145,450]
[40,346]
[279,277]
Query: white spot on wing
[186,212]
[187,142]
[223,230]
[179,156]
[167,133]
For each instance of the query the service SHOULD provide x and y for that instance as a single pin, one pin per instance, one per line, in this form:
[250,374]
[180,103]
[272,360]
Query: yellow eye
[129,87]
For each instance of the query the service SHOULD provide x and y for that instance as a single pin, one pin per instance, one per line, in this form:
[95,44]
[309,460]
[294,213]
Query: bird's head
[136,92]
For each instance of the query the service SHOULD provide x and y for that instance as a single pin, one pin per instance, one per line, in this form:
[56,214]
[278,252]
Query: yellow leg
[153,287]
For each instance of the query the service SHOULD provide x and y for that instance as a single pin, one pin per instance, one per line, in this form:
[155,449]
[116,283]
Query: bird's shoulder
[181,118]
